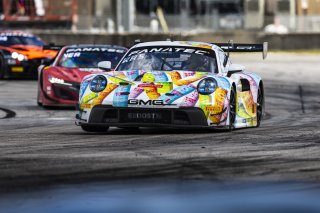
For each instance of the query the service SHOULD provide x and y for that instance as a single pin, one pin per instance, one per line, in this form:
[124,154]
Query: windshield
[8,40]
[89,58]
[168,58]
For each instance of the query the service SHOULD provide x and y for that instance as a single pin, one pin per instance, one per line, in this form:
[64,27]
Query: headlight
[98,83]
[207,86]
[18,56]
[14,55]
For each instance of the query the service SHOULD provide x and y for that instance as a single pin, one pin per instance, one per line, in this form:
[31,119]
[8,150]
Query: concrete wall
[296,41]
[276,42]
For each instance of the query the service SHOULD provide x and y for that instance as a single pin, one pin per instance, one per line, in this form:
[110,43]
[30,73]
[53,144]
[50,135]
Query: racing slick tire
[39,103]
[260,105]
[232,107]
[2,67]
[95,128]
[40,88]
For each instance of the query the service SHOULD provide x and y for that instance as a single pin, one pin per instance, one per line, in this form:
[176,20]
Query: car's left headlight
[18,56]
[207,86]
[98,83]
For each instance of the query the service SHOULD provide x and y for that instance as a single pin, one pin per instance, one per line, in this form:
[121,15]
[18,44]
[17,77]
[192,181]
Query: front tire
[2,67]
[95,128]
[260,106]
[40,89]
[39,102]
[232,109]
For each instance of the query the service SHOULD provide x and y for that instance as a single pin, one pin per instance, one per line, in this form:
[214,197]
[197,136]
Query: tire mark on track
[9,113]
[301,99]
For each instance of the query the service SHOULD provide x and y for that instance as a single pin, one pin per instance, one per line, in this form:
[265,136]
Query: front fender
[247,86]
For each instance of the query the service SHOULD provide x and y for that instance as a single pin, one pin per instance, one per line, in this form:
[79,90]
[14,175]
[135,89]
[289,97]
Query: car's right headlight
[98,83]
[207,86]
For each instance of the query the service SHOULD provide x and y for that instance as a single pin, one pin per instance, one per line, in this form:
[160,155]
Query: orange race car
[21,53]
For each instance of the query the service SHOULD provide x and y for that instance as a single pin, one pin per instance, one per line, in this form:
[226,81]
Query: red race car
[59,83]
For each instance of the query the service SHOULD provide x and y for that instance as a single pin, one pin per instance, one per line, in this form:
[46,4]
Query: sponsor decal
[146,115]
[72,55]
[3,38]
[17,69]
[95,49]
[169,49]
[85,106]
[146,103]
[89,69]
[21,34]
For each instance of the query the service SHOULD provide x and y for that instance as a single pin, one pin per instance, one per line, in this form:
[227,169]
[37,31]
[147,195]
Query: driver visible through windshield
[169,58]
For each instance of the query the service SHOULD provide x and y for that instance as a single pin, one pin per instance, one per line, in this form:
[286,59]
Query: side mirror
[225,60]
[105,66]
[234,68]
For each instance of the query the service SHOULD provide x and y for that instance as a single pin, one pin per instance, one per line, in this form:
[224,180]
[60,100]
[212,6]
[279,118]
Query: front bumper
[61,95]
[24,69]
[103,115]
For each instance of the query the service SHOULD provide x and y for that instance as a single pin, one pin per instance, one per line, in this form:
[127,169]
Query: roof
[94,45]
[14,33]
[178,43]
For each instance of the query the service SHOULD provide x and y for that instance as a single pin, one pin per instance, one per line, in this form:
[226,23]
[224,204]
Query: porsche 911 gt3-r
[174,84]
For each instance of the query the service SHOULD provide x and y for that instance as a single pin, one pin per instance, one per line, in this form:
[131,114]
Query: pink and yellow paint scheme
[227,96]
[183,85]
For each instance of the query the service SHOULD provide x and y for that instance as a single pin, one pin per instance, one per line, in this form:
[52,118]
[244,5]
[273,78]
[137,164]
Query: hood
[70,74]
[140,88]
[32,52]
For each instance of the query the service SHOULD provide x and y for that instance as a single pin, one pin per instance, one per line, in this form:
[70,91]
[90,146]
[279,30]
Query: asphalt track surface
[41,147]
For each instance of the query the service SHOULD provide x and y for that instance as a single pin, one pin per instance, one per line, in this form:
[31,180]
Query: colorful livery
[174,84]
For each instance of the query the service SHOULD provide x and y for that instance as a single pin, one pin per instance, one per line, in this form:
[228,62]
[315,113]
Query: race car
[174,84]
[59,83]
[21,53]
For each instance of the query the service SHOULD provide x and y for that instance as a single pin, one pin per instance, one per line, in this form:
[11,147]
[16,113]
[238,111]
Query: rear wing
[53,47]
[234,47]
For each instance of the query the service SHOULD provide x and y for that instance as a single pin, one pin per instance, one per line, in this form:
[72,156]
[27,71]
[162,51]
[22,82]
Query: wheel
[39,103]
[232,111]
[260,106]
[2,67]
[40,89]
[38,98]
[95,128]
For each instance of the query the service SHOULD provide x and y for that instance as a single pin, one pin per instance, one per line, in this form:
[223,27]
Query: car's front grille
[106,114]
[66,92]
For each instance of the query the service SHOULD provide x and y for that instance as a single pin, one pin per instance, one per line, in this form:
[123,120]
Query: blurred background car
[21,53]
[59,83]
